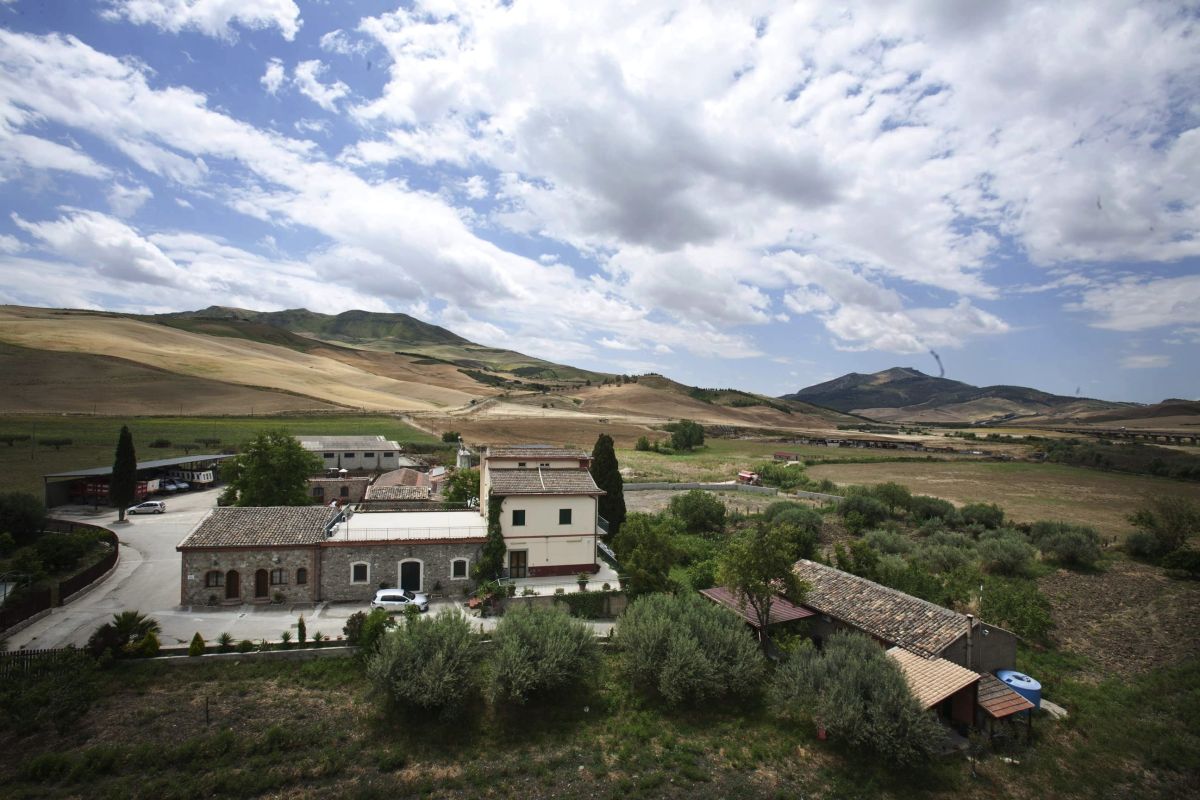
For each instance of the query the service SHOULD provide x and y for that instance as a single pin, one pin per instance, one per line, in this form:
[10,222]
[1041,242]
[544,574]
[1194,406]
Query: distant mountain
[904,393]
[353,327]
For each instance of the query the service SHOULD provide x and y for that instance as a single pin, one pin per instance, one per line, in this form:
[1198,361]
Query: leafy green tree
[1005,552]
[861,512]
[1018,605]
[122,487]
[272,470]
[643,444]
[646,554]
[859,695]
[893,495]
[686,434]
[450,437]
[757,566]
[22,515]
[1170,519]
[989,515]
[427,664]
[687,650]
[1072,545]
[700,512]
[538,651]
[462,487]
[607,474]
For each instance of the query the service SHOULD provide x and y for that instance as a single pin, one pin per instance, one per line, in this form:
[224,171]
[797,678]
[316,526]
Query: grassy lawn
[94,439]
[1026,491]
[312,729]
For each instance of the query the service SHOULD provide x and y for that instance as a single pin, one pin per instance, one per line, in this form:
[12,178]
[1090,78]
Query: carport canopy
[96,472]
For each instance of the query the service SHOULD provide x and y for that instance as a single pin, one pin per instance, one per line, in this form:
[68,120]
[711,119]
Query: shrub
[7,544]
[941,558]
[643,444]
[860,511]
[61,551]
[196,648]
[353,627]
[124,635]
[318,638]
[888,542]
[538,651]
[57,698]
[1005,552]
[586,605]
[1170,520]
[225,642]
[784,476]
[1185,561]
[699,511]
[644,547]
[893,495]
[146,647]
[684,649]
[301,631]
[1017,605]
[374,626]
[245,646]
[989,515]
[427,664]
[859,695]
[285,640]
[22,515]
[1074,545]
[923,508]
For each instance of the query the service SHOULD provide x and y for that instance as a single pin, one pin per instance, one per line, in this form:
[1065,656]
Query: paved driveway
[147,579]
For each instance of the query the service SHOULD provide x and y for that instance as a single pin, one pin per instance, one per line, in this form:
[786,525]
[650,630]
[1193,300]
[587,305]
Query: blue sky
[763,195]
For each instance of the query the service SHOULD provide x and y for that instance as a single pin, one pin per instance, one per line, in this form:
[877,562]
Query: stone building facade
[429,567]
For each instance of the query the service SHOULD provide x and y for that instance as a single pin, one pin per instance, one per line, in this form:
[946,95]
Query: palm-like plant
[132,626]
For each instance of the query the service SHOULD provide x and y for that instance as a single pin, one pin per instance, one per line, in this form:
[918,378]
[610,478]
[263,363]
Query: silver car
[399,599]
[148,507]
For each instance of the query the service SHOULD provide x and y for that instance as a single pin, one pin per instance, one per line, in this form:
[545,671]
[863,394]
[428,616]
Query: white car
[148,507]
[399,599]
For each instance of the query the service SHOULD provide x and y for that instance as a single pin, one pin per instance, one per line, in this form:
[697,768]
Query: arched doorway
[261,585]
[410,575]
[233,585]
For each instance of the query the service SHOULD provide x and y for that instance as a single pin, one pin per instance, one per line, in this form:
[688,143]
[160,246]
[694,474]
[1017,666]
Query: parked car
[148,507]
[173,485]
[399,599]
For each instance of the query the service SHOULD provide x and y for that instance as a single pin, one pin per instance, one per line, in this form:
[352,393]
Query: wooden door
[261,588]
[233,585]
[518,563]
[410,575]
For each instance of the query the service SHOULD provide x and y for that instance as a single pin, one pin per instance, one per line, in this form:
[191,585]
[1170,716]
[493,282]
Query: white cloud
[10,244]
[182,203]
[274,76]
[126,200]
[1145,362]
[1137,304]
[210,17]
[476,187]
[312,126]
[19,150]
[324,95]
[338,41]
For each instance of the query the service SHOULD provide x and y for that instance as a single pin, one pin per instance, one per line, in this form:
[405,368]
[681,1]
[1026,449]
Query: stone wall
[384,560]
[246,562]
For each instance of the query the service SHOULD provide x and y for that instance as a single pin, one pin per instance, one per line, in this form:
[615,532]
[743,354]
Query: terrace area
[426,526]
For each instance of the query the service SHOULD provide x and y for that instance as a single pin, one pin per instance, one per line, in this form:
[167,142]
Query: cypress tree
[607,475]
[123,483]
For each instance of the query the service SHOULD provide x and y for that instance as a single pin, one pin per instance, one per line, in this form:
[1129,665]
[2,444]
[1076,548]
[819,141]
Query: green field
[94,439]
[314,730]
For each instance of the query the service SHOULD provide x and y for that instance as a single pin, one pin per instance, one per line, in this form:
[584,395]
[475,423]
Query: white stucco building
[371,453]
[548,511]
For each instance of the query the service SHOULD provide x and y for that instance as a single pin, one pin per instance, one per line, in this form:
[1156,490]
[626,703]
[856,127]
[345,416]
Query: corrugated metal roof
[931,680]
[507,482]
[266,526]
[156,464]
[998,699]
[782,609]
[894,617]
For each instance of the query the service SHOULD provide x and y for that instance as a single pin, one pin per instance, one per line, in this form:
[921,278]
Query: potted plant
[583,578]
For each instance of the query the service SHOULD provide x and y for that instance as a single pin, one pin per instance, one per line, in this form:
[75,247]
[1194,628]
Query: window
[214,579]
[458,568]
[564,516]
[360,572]
[318,492]
[278,577]
[302,576]
[518,517]
[389,455]
[345,491]
[348,455]
[331,455]
[368,455]
[520,463]
[544,464]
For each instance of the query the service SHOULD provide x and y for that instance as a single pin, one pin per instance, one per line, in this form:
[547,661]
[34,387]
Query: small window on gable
[302,576]
[360,572]
[520,463]
[544,464]
[278,577]
[518,517]
[214,579]
[564,516]
[458,568]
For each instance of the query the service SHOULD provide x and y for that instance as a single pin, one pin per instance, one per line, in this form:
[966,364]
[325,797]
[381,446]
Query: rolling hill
[907,394]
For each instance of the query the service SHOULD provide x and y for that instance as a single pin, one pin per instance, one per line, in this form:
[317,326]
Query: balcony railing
[602,524]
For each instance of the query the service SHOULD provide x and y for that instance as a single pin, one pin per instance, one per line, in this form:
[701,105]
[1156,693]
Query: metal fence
[31,663]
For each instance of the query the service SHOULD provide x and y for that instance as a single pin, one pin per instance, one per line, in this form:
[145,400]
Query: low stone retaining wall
[832,498]
[614,602]
[295,654]
[711,487]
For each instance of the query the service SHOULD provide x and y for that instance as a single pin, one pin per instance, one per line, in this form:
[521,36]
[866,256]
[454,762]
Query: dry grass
[237,361]
[1026,492]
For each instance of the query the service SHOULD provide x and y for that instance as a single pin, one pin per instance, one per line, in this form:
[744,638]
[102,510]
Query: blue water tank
[1022,684]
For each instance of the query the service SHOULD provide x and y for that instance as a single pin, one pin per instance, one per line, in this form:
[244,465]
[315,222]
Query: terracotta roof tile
[931,680]
[998,699]
[782,610]
[894,617]
[533,452]
[397,492]
[261,527]
[402,477]
[505,482]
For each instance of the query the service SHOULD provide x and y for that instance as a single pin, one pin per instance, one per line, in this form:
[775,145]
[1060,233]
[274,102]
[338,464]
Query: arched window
[459,568]
[302,576]
[214,579]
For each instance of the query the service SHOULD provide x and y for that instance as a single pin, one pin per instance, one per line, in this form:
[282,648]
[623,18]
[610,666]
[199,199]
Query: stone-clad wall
[246,562]
[384,559]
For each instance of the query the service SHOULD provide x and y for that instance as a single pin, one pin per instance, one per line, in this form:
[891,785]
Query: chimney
[970,627]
